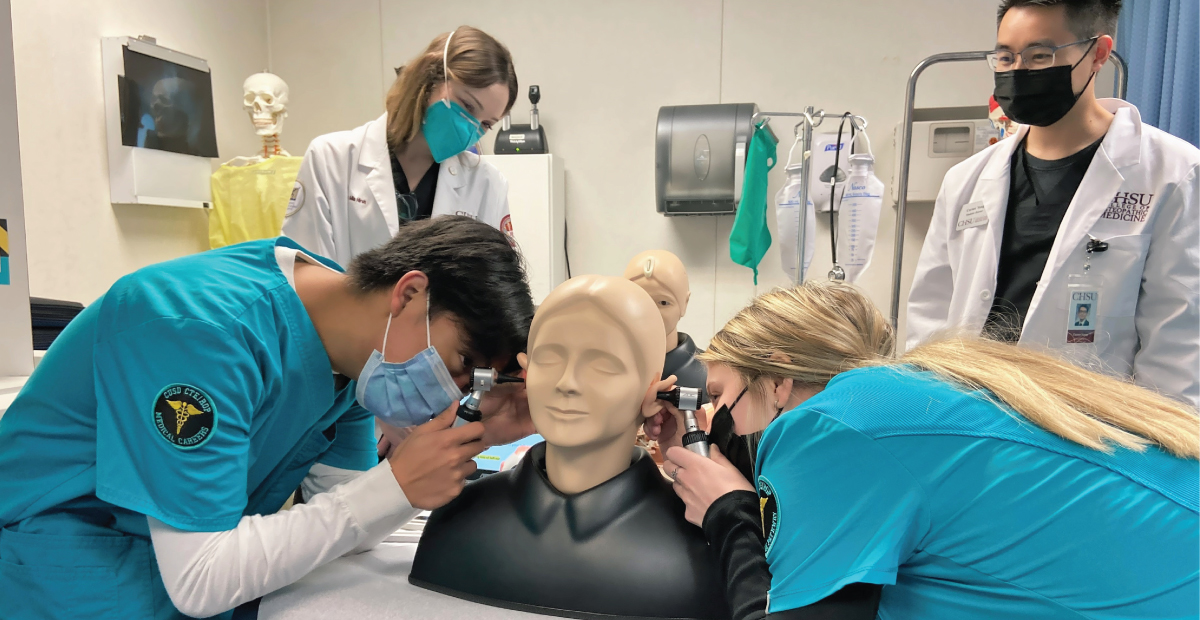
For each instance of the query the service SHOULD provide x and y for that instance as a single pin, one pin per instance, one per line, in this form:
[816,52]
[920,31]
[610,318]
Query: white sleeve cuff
[377,504]
[207,573]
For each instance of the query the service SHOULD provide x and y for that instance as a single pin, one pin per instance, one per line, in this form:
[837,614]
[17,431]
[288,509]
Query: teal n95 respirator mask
[448,128]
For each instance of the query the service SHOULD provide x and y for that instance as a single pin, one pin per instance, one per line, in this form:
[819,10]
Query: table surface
[373,586]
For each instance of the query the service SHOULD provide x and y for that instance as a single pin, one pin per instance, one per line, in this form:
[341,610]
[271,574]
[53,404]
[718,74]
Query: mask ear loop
[383,352]
[446,66]
[428,341]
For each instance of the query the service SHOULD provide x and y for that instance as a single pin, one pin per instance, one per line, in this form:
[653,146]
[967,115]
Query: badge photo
[184,416]
[1082,316]
[768,507]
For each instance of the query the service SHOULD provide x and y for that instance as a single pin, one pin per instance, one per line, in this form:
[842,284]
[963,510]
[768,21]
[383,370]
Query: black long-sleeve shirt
[733,528]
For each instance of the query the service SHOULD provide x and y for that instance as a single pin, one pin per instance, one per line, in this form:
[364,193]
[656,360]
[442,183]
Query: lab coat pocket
[1121,267]
[50,576]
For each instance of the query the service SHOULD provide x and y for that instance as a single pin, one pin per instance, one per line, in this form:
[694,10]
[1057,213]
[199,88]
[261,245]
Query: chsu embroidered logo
[1129,207]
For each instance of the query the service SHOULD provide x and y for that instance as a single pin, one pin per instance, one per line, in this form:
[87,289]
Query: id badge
[1083,308]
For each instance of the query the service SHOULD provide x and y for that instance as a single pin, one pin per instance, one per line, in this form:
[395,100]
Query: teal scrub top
[964,509]
[195,391]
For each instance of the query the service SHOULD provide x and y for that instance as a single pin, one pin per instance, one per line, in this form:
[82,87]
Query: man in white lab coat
[1084,205]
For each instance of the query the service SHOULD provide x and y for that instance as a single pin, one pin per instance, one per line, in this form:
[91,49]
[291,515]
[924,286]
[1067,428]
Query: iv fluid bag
[787,219]
[858,217]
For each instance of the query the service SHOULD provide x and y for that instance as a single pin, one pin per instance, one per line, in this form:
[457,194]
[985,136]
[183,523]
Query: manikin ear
[687,299]
[523,361]
[650,397]
[410,287]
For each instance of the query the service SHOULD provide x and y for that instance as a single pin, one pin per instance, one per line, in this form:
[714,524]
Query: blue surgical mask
[408,393]
[448,128]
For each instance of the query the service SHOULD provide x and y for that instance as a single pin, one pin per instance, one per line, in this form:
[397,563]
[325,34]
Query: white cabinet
[16,334]
[9,388]
[537,201]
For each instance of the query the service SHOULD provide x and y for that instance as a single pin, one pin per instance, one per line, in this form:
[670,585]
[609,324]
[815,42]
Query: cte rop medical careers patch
[184,416]
[768,508]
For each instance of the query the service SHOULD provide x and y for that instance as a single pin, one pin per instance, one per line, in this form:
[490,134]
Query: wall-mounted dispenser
[700,157]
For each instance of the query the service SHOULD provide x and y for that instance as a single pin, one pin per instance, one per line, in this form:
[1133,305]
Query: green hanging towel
[749,239]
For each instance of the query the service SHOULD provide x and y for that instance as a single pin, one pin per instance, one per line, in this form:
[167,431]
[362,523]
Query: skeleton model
[265,98]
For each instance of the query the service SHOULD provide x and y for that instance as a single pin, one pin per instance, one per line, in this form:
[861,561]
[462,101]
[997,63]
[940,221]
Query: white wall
[606,67]
[79,243]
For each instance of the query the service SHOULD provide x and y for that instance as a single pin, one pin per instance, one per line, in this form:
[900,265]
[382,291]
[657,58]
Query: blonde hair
[812,332]
[474,59]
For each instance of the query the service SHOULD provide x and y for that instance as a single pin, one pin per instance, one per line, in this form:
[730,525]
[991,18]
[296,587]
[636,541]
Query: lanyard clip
[1096,245]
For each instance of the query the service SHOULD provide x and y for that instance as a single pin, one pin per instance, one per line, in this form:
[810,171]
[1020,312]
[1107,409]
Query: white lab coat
[344,201]
[1140,195]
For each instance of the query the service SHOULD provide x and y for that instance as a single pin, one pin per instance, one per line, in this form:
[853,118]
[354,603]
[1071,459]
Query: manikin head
[595,354]
[662,275]
[265,98]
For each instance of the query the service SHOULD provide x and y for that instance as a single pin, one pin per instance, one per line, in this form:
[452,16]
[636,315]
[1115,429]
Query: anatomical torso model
[585,525]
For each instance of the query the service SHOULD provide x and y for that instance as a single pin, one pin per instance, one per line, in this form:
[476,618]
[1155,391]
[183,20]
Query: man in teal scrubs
[197,395]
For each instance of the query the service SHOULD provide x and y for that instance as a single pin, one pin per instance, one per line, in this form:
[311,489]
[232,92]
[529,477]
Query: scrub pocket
[53,576]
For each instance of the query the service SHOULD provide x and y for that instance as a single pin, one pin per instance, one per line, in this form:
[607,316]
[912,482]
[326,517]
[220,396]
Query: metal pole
[1122,74]
[905,147]
[802,208]
[1122,84]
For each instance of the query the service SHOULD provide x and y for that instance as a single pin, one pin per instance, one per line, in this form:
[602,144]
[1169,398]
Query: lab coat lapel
[992,190]
[452,176]
[1121,148]
[377,164]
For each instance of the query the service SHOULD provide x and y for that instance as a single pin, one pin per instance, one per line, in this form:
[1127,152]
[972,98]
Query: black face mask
[735,447]
[1039,97]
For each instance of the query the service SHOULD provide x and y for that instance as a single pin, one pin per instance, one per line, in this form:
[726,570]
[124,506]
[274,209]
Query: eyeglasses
[406,207]
[1036,57]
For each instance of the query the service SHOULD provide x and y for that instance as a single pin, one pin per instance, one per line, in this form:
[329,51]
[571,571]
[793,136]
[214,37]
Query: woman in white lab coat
[356,187]
[1137,205]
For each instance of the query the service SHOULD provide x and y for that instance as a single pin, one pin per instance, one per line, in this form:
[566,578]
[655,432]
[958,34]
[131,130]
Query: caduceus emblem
[183,411]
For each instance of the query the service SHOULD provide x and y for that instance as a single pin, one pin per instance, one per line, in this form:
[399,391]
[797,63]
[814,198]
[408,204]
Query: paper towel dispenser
[700,157]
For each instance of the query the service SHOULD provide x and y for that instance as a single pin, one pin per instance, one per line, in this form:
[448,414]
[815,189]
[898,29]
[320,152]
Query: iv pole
[809,119]
[1122,81]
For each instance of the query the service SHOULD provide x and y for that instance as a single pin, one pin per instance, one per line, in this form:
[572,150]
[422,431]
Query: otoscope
[688,400]
[482,380]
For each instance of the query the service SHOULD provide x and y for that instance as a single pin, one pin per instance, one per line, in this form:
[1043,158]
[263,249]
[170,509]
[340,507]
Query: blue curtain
[1160,41]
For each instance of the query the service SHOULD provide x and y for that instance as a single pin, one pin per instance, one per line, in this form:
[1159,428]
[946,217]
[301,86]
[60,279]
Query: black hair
[1085,18]
[474,273]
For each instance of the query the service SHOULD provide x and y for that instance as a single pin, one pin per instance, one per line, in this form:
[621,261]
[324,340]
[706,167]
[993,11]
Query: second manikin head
[662,275]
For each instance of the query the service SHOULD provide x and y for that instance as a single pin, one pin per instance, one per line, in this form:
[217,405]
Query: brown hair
[474,59]
[814,331]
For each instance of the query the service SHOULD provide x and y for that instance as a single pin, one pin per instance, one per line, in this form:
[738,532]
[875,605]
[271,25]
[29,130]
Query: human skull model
[266,97]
